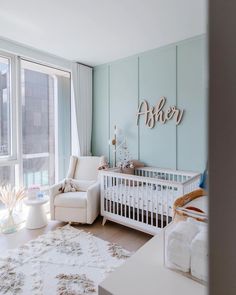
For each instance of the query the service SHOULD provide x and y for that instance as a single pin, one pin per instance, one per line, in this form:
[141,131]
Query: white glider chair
[82,206]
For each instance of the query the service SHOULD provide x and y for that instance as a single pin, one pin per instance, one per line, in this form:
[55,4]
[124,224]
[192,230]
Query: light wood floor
[128,238]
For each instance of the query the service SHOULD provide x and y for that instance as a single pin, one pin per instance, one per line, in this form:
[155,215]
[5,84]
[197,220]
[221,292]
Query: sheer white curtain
[82,104]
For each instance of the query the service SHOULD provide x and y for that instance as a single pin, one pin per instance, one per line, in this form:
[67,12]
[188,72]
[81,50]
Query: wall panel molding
[175,71]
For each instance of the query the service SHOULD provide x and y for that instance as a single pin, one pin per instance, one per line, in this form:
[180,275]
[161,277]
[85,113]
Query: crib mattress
[141,197]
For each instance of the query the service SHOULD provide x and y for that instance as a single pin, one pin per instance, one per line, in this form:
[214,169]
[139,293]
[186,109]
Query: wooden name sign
[155,114]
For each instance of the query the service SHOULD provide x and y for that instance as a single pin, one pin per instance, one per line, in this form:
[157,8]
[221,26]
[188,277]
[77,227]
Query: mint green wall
[157,77]
[178,72]
[192,96]
[123,100]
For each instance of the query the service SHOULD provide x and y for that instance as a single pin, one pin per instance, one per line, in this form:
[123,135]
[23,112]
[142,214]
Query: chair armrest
[54,189]
[94,187]
[53,192]
[93,202]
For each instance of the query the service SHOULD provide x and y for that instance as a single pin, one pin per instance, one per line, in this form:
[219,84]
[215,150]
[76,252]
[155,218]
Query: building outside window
[41,121]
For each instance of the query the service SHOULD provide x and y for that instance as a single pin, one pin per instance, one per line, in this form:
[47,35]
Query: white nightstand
[36,217]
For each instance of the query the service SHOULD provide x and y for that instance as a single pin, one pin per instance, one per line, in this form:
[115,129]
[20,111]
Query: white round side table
[36,217]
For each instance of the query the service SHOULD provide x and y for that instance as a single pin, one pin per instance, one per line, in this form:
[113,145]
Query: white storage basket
[186,241]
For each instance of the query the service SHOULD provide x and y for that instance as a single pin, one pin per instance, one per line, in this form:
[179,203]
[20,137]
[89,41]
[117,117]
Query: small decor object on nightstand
[33,192]
[36,217]
[10,197]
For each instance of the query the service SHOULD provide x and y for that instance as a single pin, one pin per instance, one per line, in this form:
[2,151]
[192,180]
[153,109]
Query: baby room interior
[110,156]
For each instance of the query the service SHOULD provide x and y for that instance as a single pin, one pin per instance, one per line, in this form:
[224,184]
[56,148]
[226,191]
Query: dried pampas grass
[10,196]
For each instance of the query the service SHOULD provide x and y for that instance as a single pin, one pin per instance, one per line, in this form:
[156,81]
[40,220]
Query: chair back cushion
[87,168]
[72,166]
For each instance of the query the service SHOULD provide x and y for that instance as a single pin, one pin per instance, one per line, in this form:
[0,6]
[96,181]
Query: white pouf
[36,217]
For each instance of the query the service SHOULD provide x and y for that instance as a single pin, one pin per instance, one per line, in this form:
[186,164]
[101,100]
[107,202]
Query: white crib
[144,201]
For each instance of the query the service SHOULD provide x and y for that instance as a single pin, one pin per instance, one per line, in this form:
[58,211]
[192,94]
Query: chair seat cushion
[71,200]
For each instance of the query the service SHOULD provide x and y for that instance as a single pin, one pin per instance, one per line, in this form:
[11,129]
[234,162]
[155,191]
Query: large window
[7,174]
[42,87]
[41,123]
[5,107]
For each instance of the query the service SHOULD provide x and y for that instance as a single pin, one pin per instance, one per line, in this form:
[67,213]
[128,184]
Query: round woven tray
[180,213]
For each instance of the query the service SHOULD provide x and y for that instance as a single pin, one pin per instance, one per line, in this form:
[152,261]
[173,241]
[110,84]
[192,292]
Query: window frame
[15,158]
[12,156]
[56,68]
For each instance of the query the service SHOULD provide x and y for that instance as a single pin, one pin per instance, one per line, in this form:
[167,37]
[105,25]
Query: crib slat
[157,205]
[146,197]
[136,201]
[119,199]
[151,205]
[168,205]
[125,195]
[106,187]
[133,200]
[115,195]
[128,195]
[162,205]
[108,195]
[142,201]
[138,216]
[111,199]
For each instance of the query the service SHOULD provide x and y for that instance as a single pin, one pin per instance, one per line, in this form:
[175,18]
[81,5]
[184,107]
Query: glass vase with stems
[10,197]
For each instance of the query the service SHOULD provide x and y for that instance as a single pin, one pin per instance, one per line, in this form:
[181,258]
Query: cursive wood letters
[152,115]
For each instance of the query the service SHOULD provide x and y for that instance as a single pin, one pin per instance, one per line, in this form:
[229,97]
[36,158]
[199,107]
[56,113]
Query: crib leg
[104,221]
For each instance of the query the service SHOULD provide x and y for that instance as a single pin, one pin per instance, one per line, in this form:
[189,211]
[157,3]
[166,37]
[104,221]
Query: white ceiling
[98,31]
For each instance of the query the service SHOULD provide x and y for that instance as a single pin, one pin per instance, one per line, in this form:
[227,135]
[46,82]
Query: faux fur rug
[66,261]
